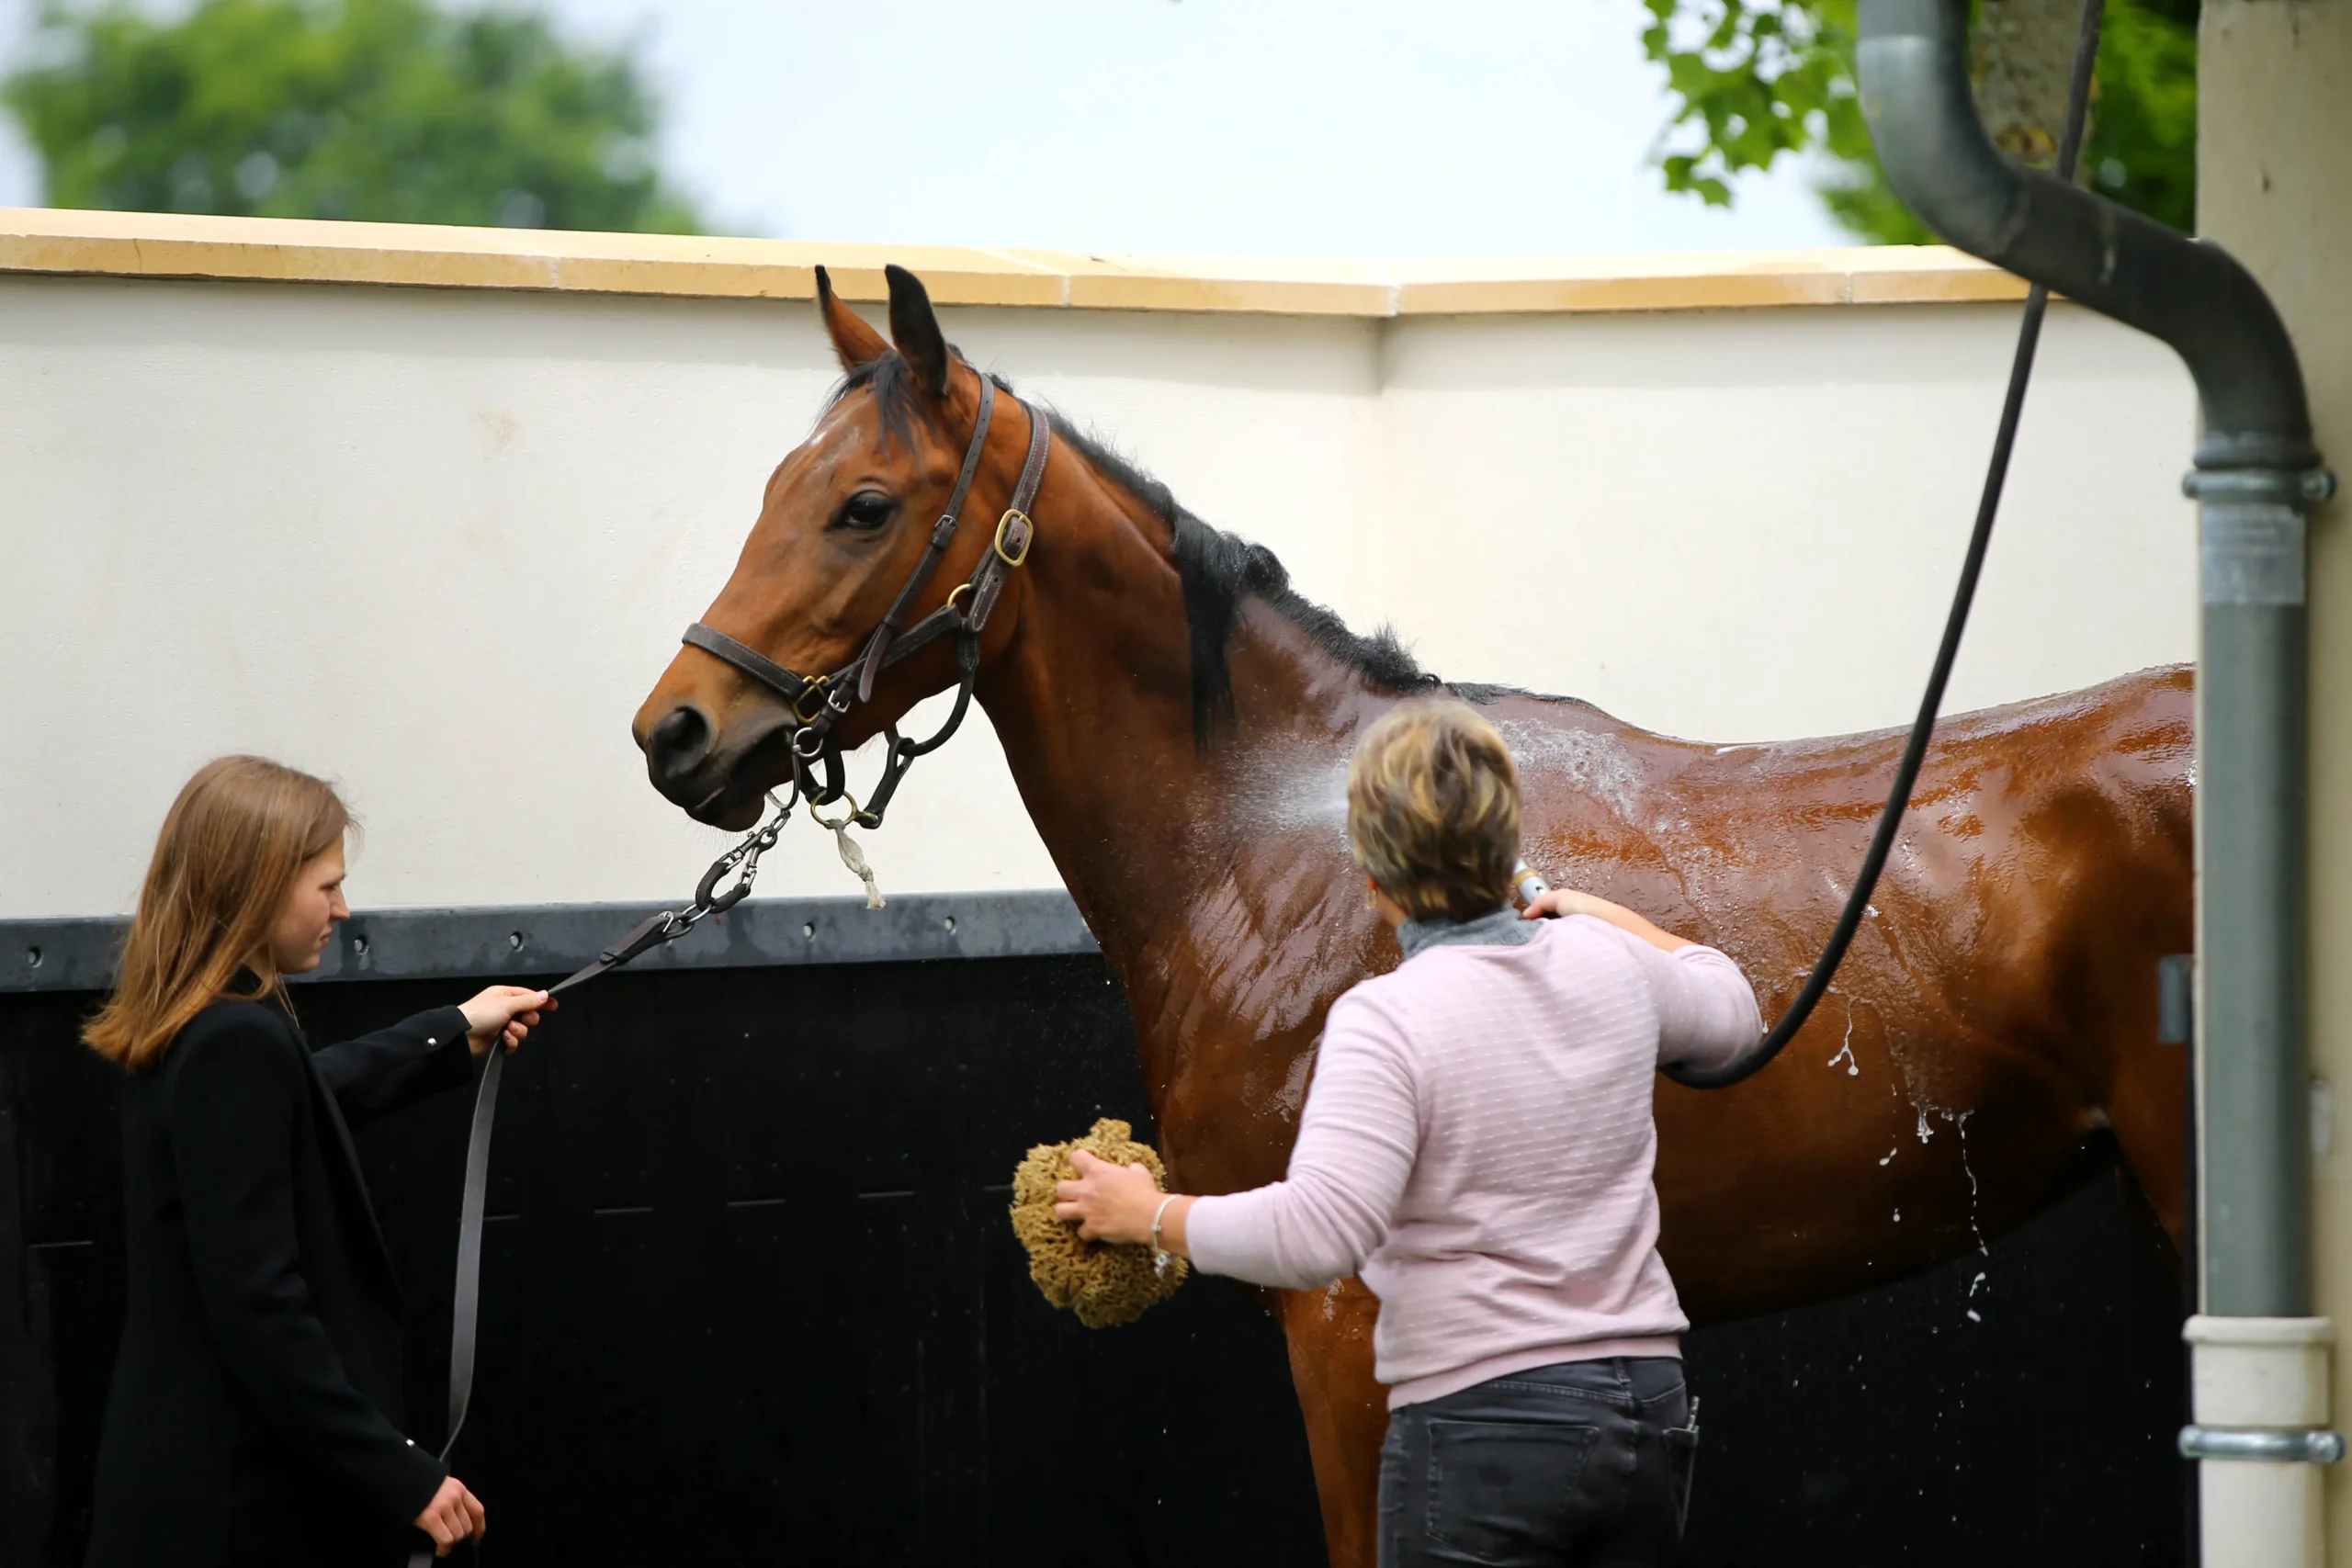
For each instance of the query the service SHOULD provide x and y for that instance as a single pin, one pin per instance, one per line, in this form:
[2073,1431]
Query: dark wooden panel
[67,1262]
[1893,1426]
[756,1302]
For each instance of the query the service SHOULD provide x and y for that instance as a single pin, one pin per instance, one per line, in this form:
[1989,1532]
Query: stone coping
[276,250]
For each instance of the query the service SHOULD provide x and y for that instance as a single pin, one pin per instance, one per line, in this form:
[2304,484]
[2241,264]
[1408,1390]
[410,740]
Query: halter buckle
[802,708]
[1014,529]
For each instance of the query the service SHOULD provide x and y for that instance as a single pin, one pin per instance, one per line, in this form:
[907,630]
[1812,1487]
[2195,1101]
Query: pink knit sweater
[1477,1146]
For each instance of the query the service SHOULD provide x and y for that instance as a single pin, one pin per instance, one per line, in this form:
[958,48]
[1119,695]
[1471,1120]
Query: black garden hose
[1898,799]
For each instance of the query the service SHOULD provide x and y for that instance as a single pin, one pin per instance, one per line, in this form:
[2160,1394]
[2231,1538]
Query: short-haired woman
[255,1413]
[1477,1146]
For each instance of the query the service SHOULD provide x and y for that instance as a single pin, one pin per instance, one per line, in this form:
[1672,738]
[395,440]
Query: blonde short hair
[1433,811]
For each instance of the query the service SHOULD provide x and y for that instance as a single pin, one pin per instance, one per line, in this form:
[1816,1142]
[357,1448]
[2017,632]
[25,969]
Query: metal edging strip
[2263,1444]
[487,942]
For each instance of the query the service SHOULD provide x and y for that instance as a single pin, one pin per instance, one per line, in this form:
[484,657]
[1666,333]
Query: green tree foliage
[2142,146]
[1753,80]
[381,109]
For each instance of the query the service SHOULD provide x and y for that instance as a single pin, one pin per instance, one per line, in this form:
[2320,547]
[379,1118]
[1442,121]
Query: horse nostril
[679,744]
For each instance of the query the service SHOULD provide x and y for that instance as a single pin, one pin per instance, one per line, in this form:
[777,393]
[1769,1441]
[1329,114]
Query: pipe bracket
[2267,1445]
[2298,487]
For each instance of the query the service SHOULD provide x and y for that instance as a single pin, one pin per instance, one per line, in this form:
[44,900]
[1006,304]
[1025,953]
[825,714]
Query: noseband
[820,702]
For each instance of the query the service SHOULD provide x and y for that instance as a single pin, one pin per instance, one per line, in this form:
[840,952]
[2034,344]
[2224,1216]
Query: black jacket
[255,1413]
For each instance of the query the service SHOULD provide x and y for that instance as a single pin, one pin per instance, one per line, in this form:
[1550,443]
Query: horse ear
[855,344]
[915,329]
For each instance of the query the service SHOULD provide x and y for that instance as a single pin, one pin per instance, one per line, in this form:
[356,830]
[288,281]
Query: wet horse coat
[1178,722]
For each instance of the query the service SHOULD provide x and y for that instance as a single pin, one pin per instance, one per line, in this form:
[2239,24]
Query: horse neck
[1190,864]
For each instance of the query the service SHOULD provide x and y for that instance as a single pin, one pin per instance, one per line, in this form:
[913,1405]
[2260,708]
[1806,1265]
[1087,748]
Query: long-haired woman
[256,1410]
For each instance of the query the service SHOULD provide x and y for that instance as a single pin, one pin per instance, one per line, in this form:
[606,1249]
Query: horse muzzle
[713,777]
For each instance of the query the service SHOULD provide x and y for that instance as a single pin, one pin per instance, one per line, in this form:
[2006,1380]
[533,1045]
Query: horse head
[849,550]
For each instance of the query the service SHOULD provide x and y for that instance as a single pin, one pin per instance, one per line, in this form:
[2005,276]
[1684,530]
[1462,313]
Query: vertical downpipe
[2251,740]
[2259,1374]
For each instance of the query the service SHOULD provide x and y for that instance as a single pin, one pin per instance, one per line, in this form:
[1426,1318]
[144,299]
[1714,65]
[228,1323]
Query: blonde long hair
[231,847]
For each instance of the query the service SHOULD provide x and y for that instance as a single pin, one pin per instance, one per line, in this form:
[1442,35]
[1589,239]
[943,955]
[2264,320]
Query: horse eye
[865,510]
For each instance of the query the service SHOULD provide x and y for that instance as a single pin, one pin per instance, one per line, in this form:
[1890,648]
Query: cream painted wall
[1744,525]
[438,542]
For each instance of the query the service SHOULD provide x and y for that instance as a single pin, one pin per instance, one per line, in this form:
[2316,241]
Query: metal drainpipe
[2260,1358]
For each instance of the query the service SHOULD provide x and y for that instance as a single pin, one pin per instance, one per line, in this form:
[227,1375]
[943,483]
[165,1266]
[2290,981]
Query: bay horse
[1178,722]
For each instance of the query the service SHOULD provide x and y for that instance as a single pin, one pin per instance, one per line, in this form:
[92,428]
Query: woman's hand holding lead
[454,1514]
[503,1013]
[1110,1202]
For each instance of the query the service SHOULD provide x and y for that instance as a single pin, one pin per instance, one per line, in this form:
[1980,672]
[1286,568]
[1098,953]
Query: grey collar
[1498,928]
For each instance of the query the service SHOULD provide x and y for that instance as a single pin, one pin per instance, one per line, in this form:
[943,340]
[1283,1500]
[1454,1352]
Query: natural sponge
[1103,1282]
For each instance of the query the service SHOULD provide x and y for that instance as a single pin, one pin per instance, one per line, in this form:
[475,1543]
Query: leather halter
[820,702]
[832,695]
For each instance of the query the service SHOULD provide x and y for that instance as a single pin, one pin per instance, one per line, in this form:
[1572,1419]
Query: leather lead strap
[465,1314]
[466,1310]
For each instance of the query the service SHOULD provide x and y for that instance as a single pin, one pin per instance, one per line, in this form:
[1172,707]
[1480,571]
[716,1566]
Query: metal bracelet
[2274,1445]
[1160,1253]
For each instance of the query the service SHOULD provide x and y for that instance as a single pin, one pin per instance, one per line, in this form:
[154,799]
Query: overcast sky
[1364,128]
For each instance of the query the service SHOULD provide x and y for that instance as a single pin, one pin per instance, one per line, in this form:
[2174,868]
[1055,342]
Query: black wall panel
[750,1298]
[1893,1427]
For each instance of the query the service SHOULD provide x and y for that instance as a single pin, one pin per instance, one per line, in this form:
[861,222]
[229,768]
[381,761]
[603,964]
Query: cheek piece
[820,702]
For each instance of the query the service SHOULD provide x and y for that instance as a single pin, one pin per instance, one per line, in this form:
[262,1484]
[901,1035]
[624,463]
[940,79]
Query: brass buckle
[1028,536]
[801,709]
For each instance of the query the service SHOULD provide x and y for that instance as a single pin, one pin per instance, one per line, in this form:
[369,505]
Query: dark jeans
[1582,1464]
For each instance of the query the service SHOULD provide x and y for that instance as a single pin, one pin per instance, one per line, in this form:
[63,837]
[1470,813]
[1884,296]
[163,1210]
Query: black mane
[1218,570]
